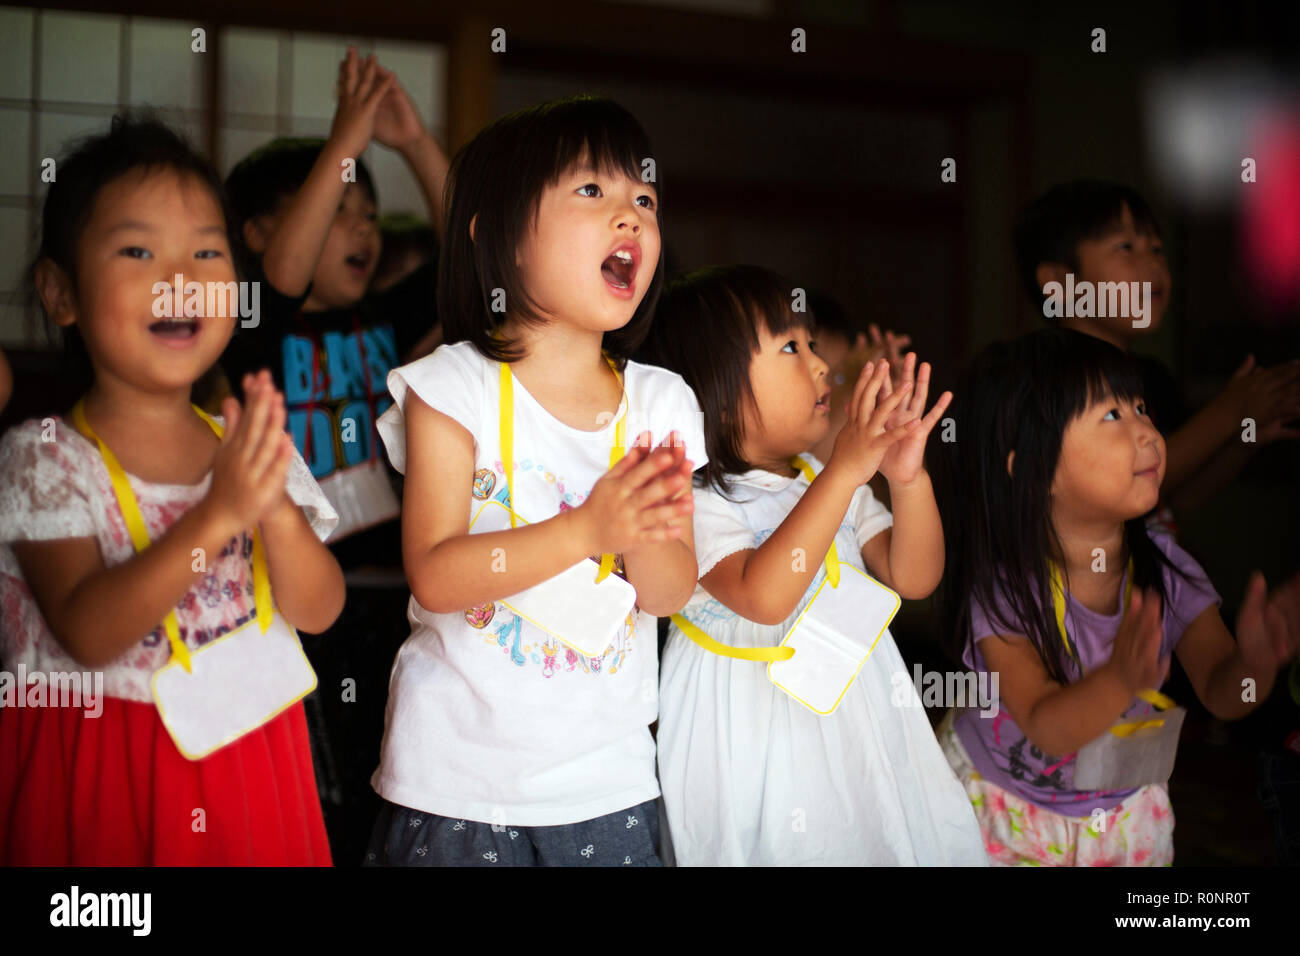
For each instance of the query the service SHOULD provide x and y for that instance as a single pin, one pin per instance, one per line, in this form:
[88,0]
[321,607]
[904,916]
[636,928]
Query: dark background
[825,166]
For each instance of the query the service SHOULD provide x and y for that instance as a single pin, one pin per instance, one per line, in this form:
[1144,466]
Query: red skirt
[113,790]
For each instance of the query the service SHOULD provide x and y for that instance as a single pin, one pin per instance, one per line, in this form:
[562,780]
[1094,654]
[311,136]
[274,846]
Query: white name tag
[571,606]
[362,495]
[239,682]
[1123,763]
[833,638]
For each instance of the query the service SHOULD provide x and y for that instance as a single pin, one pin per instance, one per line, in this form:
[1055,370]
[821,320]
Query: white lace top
[53,484]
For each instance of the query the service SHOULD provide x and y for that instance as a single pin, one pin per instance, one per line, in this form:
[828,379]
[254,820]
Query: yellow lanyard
[507,437]
[1150,695]
[135,525]
[781,653]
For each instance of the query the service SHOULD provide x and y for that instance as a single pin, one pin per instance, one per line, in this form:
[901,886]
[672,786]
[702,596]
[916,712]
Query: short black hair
[1051,226]
[706,330]
[497,181]
[132,143]
[276,171]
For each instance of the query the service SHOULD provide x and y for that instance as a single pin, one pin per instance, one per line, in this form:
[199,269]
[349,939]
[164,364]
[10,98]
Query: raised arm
[398,126]
[909,556]
[766,583]
[1268,635]
[294,248]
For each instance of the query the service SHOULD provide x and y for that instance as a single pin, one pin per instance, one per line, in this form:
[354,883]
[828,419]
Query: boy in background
[1106,232]
[307,212]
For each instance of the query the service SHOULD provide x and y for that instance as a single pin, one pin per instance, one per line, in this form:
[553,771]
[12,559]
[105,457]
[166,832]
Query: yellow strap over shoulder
[507,440]
[832,556]
[135,526]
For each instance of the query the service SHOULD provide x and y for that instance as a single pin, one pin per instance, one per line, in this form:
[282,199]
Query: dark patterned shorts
[406,837]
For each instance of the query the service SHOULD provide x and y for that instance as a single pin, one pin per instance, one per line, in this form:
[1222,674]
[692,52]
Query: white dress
[752,777]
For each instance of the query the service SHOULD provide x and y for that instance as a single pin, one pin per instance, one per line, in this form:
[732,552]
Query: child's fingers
[673,443]
[897,434]
[349,72]
[886,406]
[669,513]
[660,487]
[909,369]
[272,444]
[921,387]
[367,80]
[230,412]
[383,84]
[937,411]
[651,463]
[659,534]
[276,476]
[632,457]
[256,415]
[869,399]
[864,377]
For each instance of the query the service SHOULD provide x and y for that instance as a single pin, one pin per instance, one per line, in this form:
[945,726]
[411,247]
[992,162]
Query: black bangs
[1074,370]
[595,132]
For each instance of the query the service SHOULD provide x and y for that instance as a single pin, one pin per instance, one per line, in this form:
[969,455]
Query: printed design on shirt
[215,589]
[520,642]
[1037,773]
[480,616]
[1042,770]
[339,397]
[568,498]
[485,479]
[525,645]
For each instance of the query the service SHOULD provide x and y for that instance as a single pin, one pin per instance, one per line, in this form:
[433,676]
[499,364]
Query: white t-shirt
[489,718]
[750,776]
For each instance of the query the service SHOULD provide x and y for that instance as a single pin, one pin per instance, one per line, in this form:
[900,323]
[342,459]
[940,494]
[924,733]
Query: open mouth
[359,261]
[824,403]
[619,268]
[179,329]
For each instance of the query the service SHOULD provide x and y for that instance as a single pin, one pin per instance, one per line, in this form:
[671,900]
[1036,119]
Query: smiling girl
[132,532]
[1057,584]
[504,744]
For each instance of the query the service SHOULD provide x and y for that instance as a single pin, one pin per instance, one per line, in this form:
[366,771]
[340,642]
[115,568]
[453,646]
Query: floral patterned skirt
[1138,832]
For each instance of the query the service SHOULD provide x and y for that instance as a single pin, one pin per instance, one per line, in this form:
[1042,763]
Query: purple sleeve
[982,625]
[1187,594]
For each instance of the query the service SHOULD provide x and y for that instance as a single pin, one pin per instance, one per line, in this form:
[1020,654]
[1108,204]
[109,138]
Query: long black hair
[496,181]
[1020,396]
[706,330]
